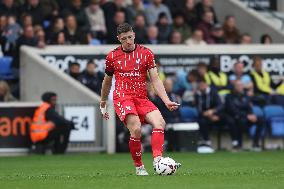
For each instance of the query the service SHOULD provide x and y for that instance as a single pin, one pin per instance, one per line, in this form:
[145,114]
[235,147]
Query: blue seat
[5,67]
[188,114]
[274,115]
[259,113]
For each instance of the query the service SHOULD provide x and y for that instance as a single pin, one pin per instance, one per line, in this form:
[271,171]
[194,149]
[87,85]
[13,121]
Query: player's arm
[160,90]
[106,86]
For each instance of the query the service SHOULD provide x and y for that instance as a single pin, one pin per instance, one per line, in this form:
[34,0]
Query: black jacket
[93,82]
[58,120]
[238,105]
[208,100]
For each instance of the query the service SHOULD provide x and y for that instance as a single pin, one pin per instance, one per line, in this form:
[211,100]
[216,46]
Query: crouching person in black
[49,129]
[209,106]
[240,117]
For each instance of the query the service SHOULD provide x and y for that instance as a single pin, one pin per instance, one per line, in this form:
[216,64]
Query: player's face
[127,40]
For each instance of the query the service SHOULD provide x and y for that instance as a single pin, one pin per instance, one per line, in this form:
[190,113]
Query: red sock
[135,150]
[157,142]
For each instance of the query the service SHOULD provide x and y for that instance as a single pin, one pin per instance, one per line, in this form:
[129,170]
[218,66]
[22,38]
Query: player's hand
[103,109]
[172,105]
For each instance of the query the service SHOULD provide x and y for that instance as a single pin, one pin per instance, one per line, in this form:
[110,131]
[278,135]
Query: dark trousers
[57,140]
[205,125]
[238,126]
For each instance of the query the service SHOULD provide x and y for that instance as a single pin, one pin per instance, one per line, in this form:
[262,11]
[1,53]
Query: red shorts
[133,105]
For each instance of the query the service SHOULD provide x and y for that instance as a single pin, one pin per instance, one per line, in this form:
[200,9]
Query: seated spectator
[11,33]
[202,70]
[174,6]
[169,116]
[50,9]
[92,78]
[245,39]
[3,23]
[5,93]
[217,33]
[231,32]
[74,70]
[140,29]
[33,8]
[164,28]
[40,35]
[196,38]
[110,8]
[73,34]
[56,26]
[97,20]
[180,26]
[119,18]
[26,20]
[240,116]
[263,86]
[49,127]
[203,6]
[58,39]
[78,11]
[152,35]
[176,38]
[134,9]
[9,8]
[209,108]
[241,76]
[190,13]
[218,79]
[266,39]
[206,26]
[153,11]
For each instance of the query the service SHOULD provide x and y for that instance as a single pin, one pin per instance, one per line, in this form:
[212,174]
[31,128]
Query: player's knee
[136,132]
[160,124]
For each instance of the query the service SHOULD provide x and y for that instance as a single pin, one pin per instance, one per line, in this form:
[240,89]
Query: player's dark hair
[123,28]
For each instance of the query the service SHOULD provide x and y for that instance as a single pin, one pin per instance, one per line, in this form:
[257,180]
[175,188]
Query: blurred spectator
[174,5]
[202,70]
[204,6]
[119,18]
[50,128]
[5,93]
[136,8]
[162,75]
[176,38]
[231,32]
[73,34]
[209,108]
[266,39]
[245,39]
[140,29]
[50,8]
[40,35]
[196,38]
[164,28]
[3,23]
[33,8]
[78,11]
[10,35]
[58,39]
[240,116]
[218,34]
[96,19]
[241,76]
[153,11]
[152,35]
[92,78]
[26,20]
[169,116]
[218,79]
[110,8]
[9,8]
[180,26]
[74,70]
[206,25]
[190,14]
[56,27]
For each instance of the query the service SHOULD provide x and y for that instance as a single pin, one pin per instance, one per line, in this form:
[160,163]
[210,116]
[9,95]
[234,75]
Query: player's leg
[134,126]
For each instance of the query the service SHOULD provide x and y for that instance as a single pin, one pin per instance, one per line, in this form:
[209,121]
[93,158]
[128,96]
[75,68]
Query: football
[166,166]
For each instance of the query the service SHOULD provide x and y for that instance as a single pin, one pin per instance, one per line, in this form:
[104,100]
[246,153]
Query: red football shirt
[130,70]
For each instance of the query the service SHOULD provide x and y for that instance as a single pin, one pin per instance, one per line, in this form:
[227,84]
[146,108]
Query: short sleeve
[150,60]
[109,65]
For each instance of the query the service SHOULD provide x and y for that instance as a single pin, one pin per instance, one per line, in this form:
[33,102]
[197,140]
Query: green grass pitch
[223,170]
